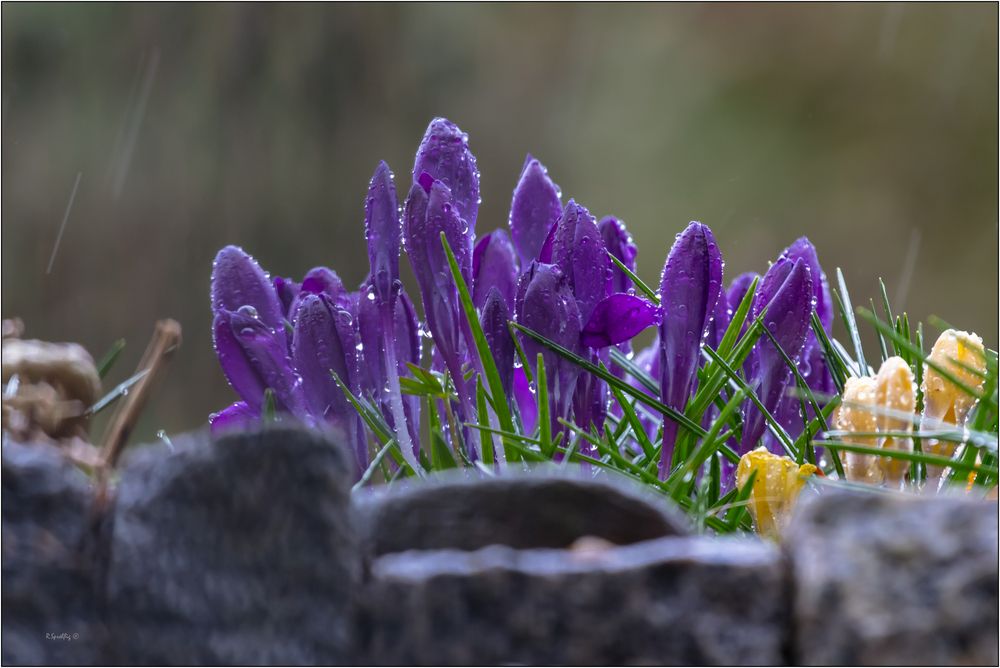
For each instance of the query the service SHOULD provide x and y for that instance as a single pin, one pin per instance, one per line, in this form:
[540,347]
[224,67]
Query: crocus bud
[803,249]
[534,209]
[444,154]
[619,243]
[494,265]
[578,250]
[429,211]
[786,294]
[237,281]
[494,322]
[383,233]
[776,488]
[857,414]
[895,394]
[689,289]
[550,310]
[235,417]
[254,357]
[944,401]
[324,340]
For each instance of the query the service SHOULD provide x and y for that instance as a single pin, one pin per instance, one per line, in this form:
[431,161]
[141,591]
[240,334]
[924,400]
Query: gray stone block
[237,551]
[545,507]
[671,601]
[894,580]
[51,611]
[556,567]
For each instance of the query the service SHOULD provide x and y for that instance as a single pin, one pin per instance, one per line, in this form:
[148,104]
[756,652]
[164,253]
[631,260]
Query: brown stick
[166,339]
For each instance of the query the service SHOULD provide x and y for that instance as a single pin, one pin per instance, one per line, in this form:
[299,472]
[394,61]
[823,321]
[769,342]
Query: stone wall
[252,550]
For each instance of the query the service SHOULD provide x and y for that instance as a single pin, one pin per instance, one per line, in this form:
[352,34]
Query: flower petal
[237,280]
[689,289]
[619,243]
[535,207]
[578,250]
[787,319]
[618,318]
[318,348]
[235,417]
[494,323]
[383,233]
[444,154]
[494,265]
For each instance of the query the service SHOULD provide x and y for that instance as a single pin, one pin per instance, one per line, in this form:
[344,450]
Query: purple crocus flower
[811,365]
[786,292]
[375,380]
[689,289]
[254,358]
[238,281]
[494,265]
[444,154]
[324,343]
[619,243]
[383,234]
[578,250]
[534,209]
[550,309]
[429,211]
[494,321]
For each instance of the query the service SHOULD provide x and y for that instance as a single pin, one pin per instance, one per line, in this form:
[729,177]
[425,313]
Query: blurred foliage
[870,128]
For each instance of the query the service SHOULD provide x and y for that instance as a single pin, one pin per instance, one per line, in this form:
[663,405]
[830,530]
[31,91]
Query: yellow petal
[895,392]
[853,415]
[944,401]
[776,487]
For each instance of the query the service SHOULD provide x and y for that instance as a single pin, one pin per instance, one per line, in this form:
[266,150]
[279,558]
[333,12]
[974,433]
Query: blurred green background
[870,128]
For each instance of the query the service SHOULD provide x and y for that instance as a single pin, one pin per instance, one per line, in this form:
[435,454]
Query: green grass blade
[482,348]
[110,357]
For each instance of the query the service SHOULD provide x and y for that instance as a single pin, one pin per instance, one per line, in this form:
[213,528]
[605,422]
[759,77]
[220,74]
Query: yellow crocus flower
[895,393]
[775,488]
[853,415]
[944,401]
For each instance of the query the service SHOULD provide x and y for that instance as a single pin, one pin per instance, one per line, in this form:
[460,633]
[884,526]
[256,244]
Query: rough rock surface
[670,601]
[50,607]
[894,580]
[543,508]
[238,551]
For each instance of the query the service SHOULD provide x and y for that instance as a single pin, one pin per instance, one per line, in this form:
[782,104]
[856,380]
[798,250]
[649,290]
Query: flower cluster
[308,348]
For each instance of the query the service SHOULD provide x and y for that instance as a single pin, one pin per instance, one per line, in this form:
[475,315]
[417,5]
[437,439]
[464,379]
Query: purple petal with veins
[494,265]
[319,347]
[803,249]
[578,250]
[534,209]
[787,319]
[237,281]
[550,309]
[235,417]
[444,154]
[689,289]
[619,243]
[618,318]
[495,317]
[383,234]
